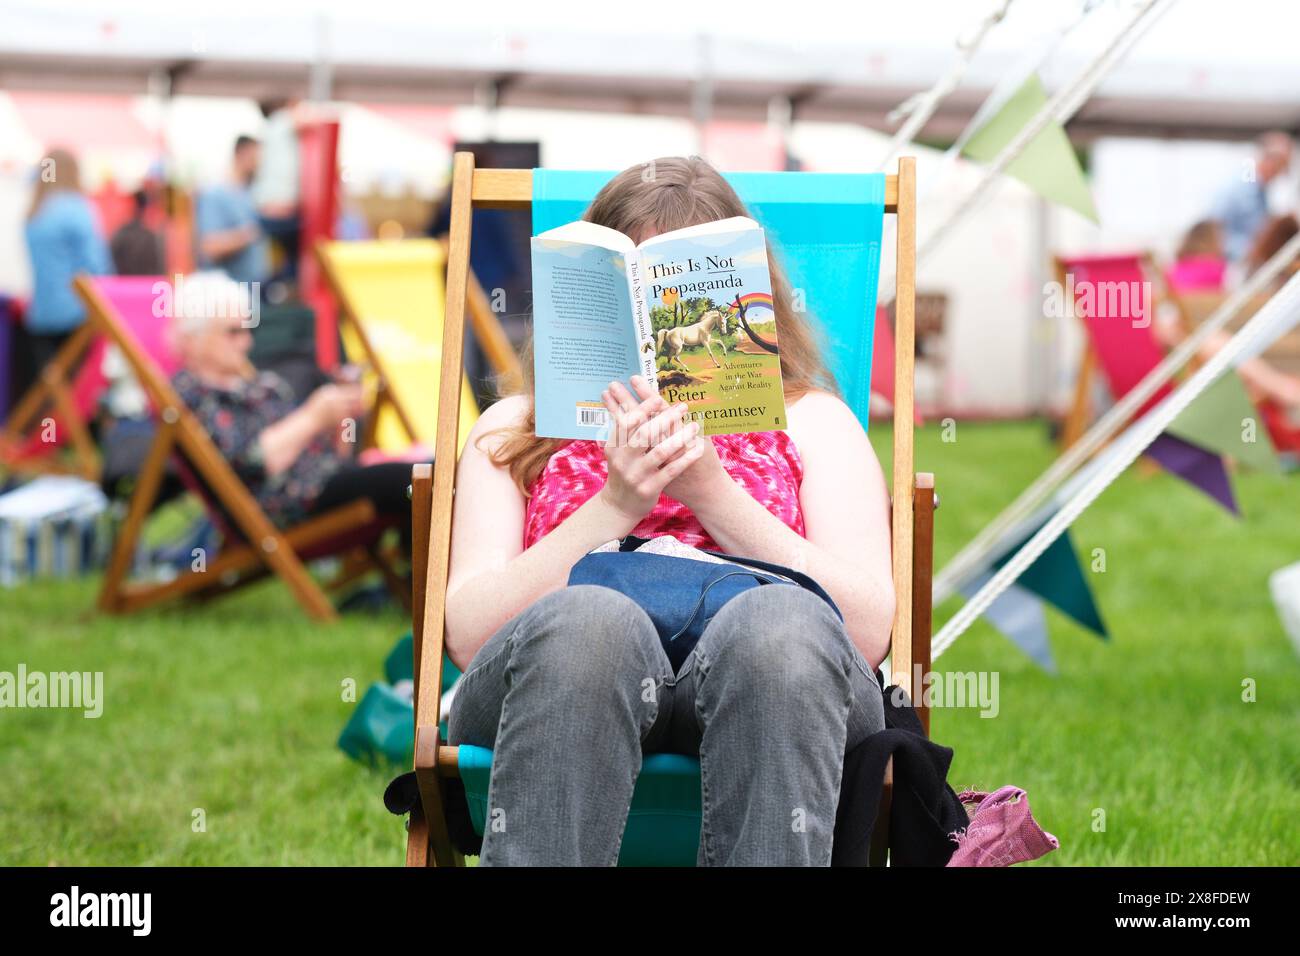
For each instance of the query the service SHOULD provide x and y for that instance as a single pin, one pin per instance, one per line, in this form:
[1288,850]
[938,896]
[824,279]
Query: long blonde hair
[666,194]
[57,172]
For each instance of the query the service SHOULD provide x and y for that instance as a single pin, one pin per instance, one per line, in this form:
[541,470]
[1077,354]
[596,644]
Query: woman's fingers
[674,445]
[660,427]
[643,388]
[624,420]
[629,413]
[688,457]
[670,449]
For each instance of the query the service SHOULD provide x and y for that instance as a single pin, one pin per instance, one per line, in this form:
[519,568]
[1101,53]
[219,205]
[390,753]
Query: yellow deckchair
[391,296]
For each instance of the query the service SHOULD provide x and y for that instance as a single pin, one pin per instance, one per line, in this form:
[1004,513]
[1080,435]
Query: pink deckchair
[1113,297]
[58,408]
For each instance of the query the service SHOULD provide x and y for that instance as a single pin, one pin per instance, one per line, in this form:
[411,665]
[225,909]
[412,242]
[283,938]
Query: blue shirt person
[1242,208]
[230,236]
[63,239]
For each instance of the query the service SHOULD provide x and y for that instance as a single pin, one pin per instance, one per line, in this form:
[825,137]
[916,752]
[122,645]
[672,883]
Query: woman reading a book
[570,685]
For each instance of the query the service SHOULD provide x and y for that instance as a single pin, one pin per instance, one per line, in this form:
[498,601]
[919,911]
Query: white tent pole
[1002,91]
[1278,315]
[1060,108]
[920,107]
[972,557]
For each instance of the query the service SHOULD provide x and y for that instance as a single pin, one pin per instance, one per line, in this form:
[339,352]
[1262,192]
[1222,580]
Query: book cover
[691,310]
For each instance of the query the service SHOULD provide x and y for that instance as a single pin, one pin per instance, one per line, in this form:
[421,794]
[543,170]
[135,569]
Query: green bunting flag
[1223,419]
[1048,164]
[1058,579]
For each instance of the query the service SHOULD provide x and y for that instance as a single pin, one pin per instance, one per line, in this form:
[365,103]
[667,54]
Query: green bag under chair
[382,726]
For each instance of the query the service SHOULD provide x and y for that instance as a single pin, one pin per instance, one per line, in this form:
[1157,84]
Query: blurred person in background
[137,249]
[1242,207]
[296,459]
[63,239]
[1275,234]
[276,188]
[1199,264]
[230,233]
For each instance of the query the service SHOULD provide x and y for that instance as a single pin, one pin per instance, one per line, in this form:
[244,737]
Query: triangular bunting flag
[1224,419]
[1048,164]
[1019,616]
[1057,578]
[1196,466]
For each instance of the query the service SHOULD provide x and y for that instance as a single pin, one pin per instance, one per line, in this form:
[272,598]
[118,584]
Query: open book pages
[690,310]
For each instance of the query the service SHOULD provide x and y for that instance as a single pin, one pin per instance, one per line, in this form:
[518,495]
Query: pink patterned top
[766,464]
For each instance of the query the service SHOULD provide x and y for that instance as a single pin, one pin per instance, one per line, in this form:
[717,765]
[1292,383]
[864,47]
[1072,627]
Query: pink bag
[1001,832]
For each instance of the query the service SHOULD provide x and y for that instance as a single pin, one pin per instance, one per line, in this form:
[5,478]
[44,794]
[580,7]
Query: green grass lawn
[233,708]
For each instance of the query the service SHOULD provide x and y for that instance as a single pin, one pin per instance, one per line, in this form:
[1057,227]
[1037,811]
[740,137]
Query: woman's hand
[333,404]
[705,477]
[325,410]
[649,446]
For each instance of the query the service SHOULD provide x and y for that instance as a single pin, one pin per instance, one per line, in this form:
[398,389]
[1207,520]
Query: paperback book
[689,310]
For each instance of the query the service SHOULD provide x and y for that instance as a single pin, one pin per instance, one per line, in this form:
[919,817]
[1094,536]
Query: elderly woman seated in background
[296,459]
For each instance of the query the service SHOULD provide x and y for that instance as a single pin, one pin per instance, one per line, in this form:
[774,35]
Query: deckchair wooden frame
[433,490]
[501,355]
[53,391]
[1195,307]
[268,549]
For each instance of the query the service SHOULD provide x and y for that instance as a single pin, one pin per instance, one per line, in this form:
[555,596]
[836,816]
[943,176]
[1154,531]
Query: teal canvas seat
[826,230]
[663,822]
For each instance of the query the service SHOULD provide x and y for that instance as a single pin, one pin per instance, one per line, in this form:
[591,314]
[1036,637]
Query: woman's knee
[779,633]
[587,633]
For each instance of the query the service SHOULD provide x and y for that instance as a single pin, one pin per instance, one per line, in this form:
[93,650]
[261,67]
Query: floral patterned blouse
[234,418]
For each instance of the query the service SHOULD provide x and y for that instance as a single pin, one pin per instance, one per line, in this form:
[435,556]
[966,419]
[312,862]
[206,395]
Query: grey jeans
[574,690]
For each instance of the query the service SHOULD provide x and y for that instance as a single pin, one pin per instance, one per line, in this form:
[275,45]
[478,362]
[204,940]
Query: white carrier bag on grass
[53,526]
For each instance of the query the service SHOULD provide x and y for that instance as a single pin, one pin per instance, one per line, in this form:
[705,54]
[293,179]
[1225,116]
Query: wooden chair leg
[149,480]
[1076,421]
[53,391]
[83,445]
[417,840]
[433,834]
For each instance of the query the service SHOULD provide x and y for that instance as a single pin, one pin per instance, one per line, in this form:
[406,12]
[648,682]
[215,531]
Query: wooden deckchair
[254,546]
[393,292]
[53,399]
[71,385]
[429,842]
[1195,307]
